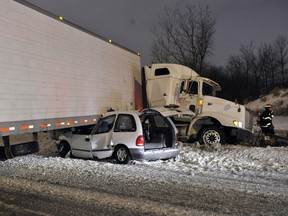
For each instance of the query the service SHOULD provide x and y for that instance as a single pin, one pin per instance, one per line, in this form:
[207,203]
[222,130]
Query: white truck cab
[216,121]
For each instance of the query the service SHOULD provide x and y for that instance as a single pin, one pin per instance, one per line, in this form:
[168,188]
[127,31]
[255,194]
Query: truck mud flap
[25,148]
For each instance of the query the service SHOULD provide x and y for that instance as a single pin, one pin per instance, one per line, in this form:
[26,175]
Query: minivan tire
[122,155]
[64,149]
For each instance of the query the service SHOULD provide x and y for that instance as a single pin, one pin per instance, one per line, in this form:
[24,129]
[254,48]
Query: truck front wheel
[211,136]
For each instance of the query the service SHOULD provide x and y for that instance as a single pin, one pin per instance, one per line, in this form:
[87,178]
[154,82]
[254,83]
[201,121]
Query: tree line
[187,38]
[256,71]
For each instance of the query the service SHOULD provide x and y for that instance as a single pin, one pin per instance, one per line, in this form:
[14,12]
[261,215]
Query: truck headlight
[238,123]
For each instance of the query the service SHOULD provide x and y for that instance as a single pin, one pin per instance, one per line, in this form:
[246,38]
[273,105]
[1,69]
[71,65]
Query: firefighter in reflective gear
[265,121]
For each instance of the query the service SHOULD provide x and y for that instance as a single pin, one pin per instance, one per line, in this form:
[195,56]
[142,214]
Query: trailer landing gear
[7,147]
[19,149]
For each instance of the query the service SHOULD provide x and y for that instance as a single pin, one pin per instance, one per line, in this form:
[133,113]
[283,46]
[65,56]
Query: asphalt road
[15,202]
[136,196]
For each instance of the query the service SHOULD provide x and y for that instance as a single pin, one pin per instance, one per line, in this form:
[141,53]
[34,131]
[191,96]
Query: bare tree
[249,68]
[268,66]
[184,37]
[259,69]
[281,47]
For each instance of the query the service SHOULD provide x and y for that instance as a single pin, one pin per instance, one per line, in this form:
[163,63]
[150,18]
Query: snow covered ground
[242,168]
[278,98]
[225,161]
[225,172]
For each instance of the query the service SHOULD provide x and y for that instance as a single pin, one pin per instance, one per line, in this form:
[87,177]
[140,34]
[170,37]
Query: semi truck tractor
[215,121]
[56,75]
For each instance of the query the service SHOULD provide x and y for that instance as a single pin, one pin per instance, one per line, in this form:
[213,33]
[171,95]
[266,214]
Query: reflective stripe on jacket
[266,119]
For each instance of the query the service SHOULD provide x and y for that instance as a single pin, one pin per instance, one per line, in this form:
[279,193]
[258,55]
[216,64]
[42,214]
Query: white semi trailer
[55,75]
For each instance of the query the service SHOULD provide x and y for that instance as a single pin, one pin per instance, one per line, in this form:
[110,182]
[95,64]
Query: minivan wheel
[64,149]
[122,155]
[211,136]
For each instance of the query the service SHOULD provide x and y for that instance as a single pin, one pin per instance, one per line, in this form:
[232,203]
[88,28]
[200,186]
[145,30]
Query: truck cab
[216,121]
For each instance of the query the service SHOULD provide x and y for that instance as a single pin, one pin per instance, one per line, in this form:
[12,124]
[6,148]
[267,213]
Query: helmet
[268,106]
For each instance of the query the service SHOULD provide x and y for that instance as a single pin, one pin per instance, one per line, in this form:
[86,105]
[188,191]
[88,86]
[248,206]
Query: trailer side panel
[50,69]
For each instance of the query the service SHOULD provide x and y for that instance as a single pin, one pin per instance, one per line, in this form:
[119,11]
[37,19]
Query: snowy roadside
[252,170]
[229,179]
[262,166]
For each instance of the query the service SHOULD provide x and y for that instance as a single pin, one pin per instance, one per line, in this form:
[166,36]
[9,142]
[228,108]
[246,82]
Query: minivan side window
[125,123]
[104,125]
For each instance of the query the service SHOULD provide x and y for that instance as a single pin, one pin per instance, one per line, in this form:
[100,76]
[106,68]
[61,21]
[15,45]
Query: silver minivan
[124,136]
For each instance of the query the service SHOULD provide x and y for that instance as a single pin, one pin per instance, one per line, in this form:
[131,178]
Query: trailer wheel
[64,149]
[2,154]
[211,136]
[122,154]
[25,148]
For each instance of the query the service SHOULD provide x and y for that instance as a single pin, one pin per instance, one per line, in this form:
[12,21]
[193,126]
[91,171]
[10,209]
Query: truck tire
[122,154]
[64,149]
[25,148]
[2,154]
[211,136]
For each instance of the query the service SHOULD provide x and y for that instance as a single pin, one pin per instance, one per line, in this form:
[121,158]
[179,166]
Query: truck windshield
[189,86]
[208,90]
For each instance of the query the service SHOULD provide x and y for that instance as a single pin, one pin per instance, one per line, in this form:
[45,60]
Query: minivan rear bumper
[154,154]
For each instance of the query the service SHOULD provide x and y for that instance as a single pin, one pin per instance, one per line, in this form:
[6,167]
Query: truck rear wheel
[2,154]
[211,136]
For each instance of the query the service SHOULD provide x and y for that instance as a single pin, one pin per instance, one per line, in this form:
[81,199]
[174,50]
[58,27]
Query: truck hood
[169,111]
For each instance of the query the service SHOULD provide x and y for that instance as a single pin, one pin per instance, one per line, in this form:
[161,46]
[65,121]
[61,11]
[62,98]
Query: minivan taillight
[140,141]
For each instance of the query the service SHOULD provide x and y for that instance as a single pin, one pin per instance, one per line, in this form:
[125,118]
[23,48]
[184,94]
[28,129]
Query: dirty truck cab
[216,120]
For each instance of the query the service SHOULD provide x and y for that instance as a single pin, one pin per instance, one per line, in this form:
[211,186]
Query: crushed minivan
[125,135]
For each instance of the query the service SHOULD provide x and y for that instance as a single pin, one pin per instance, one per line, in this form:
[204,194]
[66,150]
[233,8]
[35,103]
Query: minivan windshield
[104,125]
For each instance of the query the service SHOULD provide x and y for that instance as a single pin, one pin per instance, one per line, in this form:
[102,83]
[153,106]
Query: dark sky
[129,22]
